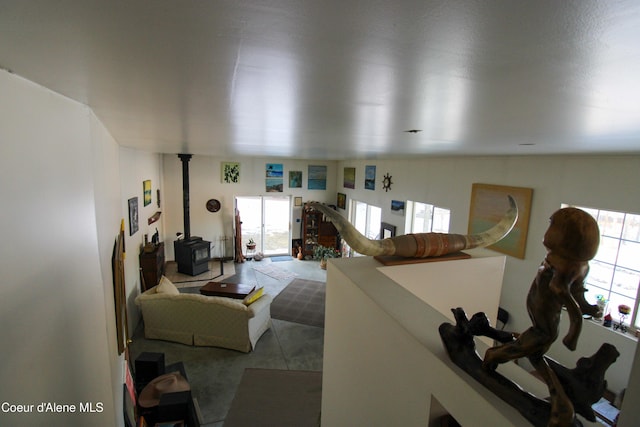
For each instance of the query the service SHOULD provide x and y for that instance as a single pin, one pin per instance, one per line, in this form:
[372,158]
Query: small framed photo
[342,200]
[297,201]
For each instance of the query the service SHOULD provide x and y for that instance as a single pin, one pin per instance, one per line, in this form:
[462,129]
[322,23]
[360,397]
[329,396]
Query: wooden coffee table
[229,290]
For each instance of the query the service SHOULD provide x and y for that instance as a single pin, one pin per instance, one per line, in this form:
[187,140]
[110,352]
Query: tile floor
[214,373]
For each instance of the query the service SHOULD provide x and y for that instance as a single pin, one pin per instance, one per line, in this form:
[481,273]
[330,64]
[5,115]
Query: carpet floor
[274,397]
[302,301]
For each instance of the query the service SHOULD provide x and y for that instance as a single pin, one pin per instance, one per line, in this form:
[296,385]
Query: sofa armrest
[260,304]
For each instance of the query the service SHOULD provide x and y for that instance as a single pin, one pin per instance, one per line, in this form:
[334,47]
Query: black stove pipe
[185,194]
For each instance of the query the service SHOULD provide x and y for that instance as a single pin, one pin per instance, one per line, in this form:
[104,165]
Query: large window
[426,218]
[366,218]
[615,270]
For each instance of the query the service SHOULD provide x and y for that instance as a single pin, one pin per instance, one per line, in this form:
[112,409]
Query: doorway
[266,220]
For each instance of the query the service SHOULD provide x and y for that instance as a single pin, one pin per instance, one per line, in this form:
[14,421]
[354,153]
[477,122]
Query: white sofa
[201,320]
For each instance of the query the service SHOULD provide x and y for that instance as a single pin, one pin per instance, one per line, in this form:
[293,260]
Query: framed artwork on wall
[342,200]
[317,178]
[370,177]
[230,172]
[274,182]
[488,205]
[133,216]
[397,207]
[146,191]
[349,180]
[297,201]
[274,170]
[295,179]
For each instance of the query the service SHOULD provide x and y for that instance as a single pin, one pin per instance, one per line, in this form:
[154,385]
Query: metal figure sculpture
[571,240]
[421,245]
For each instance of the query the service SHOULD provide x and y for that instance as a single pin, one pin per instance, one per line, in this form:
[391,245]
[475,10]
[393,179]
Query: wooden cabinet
[316,231]
[152,266]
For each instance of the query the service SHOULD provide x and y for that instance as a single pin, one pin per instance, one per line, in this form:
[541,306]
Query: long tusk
[421,245]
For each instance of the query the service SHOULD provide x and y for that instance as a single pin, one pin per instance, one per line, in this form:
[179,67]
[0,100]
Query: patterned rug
[302,301]
[273,271]
[273,397]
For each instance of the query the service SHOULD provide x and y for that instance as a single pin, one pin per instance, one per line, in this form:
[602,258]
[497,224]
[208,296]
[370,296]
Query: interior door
[266,220]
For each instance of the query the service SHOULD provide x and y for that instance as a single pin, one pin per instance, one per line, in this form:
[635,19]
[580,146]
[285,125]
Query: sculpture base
[398,260]
[584,384]
[462,351]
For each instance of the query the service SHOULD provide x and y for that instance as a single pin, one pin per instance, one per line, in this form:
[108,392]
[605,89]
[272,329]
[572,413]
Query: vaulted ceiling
[325,79]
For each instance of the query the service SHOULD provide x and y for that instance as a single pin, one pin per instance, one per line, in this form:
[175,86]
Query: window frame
[411,208]
[371,231]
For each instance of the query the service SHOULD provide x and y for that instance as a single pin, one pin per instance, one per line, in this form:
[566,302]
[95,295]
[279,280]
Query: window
[615,270]
[366,218]
[426,218]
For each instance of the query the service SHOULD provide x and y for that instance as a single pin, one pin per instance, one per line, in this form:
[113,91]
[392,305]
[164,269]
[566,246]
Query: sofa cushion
[166,287]
[253,296]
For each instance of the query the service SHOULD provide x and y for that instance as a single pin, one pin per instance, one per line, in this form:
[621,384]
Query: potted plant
[251,244]
[321,253]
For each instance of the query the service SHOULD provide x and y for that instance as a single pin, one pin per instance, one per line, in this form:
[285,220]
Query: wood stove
[191,252]
[192,255]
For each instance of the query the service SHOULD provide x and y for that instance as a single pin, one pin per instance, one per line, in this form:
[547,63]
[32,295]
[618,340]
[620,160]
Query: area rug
[272,397]
[281,258]
[302,301]
[273,271]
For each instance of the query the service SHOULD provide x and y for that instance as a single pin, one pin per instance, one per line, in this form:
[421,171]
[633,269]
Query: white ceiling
[324,79]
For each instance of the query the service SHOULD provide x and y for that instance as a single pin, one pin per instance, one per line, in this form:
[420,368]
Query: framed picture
[370,177]
[274,185]
[230,172]
[133,216]
[488,205]
[274,170]
[342,200]
[397,207]
[349,180]
[387,230]
[297,201]
[317,178]
[295,179]
[146,191]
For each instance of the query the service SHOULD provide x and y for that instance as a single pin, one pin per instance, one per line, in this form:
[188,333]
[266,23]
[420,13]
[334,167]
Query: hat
[167,383]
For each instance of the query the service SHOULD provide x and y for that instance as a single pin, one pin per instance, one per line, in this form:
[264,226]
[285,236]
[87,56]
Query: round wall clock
[386,182]
[213,205]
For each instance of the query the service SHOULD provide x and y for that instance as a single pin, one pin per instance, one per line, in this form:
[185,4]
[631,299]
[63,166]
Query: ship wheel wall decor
[386,182]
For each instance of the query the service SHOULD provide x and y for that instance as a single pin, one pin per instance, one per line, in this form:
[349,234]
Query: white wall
[64,183]
[205,183]
[607,182]
[384,361]
[135,167]
[55,307]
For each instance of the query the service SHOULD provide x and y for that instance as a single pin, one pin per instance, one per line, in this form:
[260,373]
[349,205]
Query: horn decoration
[421,245]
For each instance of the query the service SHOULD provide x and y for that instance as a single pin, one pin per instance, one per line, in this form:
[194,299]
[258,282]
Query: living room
[67,181]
